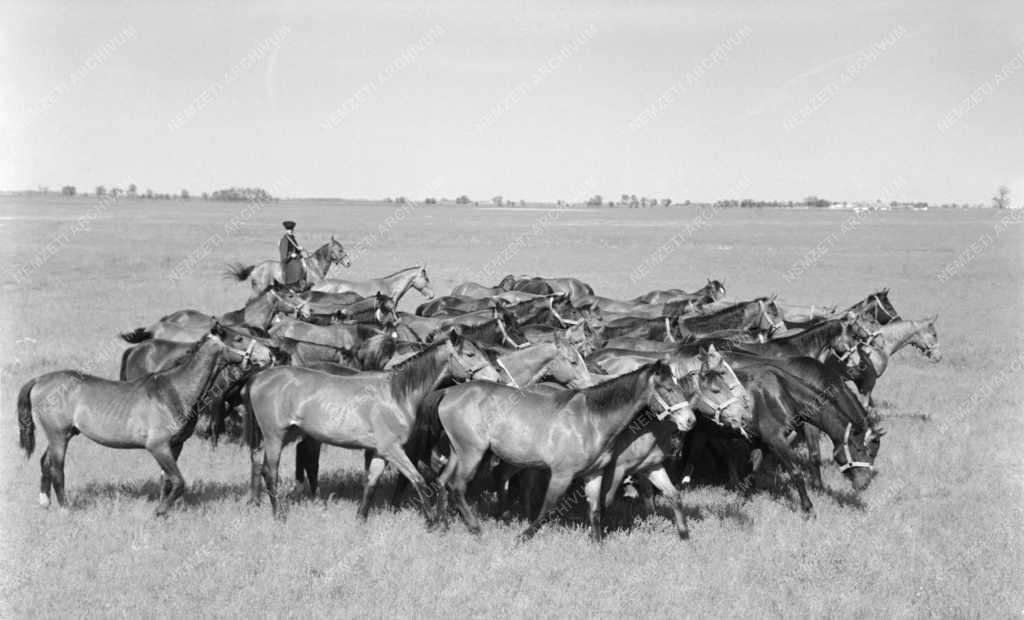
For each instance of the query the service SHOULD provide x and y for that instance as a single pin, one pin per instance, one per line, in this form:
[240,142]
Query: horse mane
[400,271]
[488,331]
[614,393]
[814,332]
[415,372]
[186,356]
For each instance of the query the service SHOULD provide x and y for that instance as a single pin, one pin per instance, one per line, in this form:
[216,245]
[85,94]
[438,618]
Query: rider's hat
[289,224]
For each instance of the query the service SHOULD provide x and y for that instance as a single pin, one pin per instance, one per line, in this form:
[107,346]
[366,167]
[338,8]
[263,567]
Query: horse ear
[455,337]
[935,317]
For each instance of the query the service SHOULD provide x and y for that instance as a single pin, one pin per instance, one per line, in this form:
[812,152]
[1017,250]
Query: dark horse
[570,432]
[789,393]
[155,412]
[370,411]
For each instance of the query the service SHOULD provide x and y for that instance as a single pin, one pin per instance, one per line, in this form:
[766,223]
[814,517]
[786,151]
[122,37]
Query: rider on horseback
[291,257]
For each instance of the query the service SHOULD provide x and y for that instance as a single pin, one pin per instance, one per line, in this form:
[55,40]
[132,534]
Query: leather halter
[703,398]
[878,298]
[671,410]
[470,372]
[558,317]
[850,463]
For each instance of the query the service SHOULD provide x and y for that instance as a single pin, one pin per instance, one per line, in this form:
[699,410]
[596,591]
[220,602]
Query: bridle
[558,317]
[668,331]
[850,463]
[470,372]
[668,410]
[505,337]
[511,379]
[878,299]
[300,309]
[703,398]
[774,327]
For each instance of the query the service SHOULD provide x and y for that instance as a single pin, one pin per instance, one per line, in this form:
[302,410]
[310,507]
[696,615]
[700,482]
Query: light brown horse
[643,449]
[191,325]
[156,412]
[395,285]
[261,275]
[370,411]
[570,432]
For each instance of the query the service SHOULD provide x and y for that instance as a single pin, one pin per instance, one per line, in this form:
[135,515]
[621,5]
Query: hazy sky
[910,99]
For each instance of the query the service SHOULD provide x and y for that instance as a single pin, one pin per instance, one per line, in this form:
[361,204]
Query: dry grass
[939,531]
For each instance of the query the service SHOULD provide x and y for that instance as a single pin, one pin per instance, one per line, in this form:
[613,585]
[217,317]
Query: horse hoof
[809,514]
[44,500]
[684,534]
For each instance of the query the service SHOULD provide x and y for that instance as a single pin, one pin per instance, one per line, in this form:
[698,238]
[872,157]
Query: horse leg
[659,478]
[55,453]
[698,444]
[398,458]
[556,489]
[307,463]
[646,492]
[255,473]
[788,458]
[272,446]
[503,473]
[45,479]
[455,478]
[375,465]
[166,457]
[812,436]
[592,489]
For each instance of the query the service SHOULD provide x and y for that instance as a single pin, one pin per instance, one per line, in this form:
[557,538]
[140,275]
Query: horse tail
[123,374]
[26,426]
[250,429]
[137,335]
[426,428]
[238,271]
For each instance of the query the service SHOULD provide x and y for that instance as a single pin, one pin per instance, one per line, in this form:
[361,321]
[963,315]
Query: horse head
[421,282]
[338,254]
[568,367]
[669,399]
[467,360]
[926,340]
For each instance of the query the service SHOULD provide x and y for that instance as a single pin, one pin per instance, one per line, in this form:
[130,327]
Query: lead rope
[668,331]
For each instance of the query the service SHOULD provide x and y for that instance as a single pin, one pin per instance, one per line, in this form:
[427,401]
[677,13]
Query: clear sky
[905,100]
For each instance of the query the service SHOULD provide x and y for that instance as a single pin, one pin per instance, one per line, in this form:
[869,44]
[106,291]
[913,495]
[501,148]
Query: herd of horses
[519,390]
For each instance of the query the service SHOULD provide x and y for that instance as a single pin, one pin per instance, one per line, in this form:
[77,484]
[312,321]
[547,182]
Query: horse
[472,289]
[556,361]
[156,412]
[800,391]
[156,355]
[834,336]
[569,432]
[378,307]
[394,285]
[804,316]
[714,290]
[879,344]
[876,306]
[190,325]
[261,275]
[643,449]
[372,411]
[574,288]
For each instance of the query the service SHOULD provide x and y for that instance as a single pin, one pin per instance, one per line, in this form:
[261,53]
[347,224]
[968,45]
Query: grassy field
[939,532]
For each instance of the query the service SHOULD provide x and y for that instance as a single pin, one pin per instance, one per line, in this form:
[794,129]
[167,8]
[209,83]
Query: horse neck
[823,411]
[526,365]
[194,376]
[815,339]
[897,334]
[398,284]
[414,378]
[321,260]
[610,419]
[256,312]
